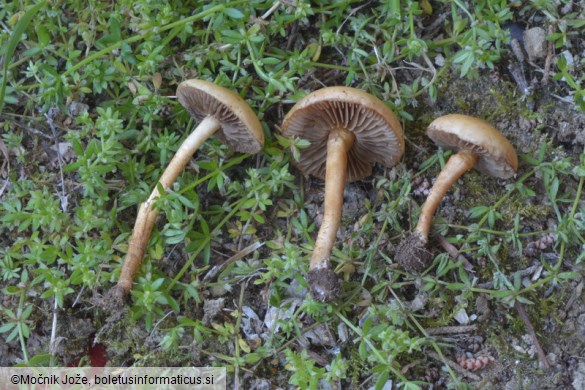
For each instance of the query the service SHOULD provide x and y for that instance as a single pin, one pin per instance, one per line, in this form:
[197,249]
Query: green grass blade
[21,26]
[136,38]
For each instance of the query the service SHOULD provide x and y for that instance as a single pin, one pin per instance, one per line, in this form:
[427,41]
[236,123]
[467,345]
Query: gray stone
[535,42]
[579,377]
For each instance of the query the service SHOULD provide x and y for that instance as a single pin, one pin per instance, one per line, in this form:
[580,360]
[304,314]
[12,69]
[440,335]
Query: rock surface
[535,42]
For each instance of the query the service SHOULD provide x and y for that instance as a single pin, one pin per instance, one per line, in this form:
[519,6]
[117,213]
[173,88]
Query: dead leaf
[157,80]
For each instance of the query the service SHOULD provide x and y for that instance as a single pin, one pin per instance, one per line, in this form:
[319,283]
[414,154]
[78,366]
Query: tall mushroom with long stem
[478,145]
[348,130]
[219,111]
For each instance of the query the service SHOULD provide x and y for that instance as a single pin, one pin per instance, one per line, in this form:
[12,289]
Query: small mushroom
[478,145]
[220,111]
[348,130]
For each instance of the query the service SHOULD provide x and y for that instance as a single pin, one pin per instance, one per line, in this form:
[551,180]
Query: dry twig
[451,329]
[454,252]
[460,370]
[549,57]
[215,270]
[541,355]
[5,166]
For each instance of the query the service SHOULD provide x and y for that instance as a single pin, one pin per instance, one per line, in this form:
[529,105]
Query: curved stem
[338,145]
[147,213]
[21,323]
[457,165]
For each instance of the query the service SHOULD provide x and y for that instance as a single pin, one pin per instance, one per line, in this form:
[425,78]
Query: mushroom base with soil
[412,254]
[115,299]
[324,284]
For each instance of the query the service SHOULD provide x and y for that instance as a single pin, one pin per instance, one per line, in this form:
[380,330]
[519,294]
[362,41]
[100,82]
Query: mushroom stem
[455,167]
[147,213]
[338,145]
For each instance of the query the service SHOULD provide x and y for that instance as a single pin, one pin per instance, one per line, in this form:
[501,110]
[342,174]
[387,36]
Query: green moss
[549,307]
[444,317]
[119,335]
[357,366]
[463,104]
[518,205]
[479,190]
[128,341]
[158,357]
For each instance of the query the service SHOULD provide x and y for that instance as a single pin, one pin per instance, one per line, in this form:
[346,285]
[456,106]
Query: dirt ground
[528,121]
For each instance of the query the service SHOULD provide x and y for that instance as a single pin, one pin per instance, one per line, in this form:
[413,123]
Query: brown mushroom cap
[496,155]
[378,134]
[240,127]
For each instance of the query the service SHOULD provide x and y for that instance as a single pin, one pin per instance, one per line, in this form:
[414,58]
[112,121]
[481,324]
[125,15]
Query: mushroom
[348,130]
[220,111]
[478,145]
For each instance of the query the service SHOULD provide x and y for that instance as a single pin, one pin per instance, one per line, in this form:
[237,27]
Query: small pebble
[535,42]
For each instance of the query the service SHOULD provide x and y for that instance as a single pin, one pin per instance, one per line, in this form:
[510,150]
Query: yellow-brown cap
[240,127]
[378,134]
[496,155]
